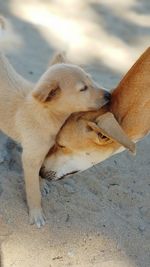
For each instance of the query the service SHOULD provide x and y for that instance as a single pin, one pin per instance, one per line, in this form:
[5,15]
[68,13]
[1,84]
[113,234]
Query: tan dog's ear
[108,126]
[58,58]
[45,91]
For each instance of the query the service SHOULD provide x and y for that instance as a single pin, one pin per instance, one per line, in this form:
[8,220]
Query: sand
[100,217]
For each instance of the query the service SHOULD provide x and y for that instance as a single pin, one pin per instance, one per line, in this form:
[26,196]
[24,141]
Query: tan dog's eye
[101,136]
[84,88]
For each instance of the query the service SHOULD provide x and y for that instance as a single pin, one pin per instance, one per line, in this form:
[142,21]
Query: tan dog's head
[81,143]
[67,88]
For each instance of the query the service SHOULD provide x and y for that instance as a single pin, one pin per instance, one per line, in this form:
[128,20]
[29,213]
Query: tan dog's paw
[37,217]
[45,187]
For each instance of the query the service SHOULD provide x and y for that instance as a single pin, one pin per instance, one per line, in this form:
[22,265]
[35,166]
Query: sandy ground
[101,217]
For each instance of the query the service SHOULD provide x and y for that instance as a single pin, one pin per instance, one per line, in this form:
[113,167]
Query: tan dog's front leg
[32,162]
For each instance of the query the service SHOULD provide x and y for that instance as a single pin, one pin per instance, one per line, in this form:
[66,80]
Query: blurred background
[105,36]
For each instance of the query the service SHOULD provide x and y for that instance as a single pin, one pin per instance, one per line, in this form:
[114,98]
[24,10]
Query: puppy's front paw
[37,217]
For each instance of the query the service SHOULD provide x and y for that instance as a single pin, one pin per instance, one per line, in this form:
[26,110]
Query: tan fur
[76,142]
[33,114]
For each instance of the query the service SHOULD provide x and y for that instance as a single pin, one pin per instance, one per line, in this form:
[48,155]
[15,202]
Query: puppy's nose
[107,96]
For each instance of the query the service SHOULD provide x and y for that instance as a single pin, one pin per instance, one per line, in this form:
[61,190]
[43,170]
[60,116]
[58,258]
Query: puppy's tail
[8,38]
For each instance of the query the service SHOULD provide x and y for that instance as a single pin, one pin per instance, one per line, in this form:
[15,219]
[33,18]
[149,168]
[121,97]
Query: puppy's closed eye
[85,88]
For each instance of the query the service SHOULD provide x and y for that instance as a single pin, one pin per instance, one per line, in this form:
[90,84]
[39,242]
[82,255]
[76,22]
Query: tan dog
[33,114]
[89,138]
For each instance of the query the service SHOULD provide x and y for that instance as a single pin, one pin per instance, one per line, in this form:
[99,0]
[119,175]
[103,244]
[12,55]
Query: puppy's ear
[46,91]
[107,125]
[58,58]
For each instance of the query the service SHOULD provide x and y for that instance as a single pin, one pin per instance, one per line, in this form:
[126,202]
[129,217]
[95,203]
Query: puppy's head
[82,143]
[68,88]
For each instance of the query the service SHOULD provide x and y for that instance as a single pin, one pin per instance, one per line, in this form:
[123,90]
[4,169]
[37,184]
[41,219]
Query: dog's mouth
[67,174]
[52,175]
[48,175]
